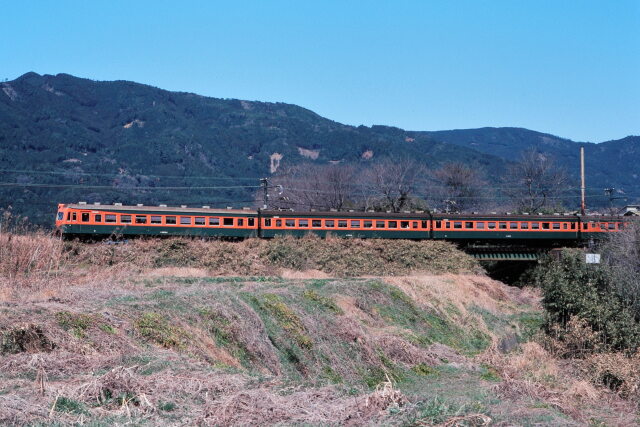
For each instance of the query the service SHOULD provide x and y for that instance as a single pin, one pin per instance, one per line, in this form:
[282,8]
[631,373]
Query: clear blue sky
[570,68]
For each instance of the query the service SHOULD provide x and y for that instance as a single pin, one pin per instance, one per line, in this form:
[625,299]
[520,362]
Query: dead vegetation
[149,332]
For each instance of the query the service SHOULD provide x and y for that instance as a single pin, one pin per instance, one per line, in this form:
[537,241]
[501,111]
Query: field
[289,331]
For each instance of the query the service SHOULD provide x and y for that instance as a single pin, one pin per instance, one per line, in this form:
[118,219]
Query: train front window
[60,216]
[125,219]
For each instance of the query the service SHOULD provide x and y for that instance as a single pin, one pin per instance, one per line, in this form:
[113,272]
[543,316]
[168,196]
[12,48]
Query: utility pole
[583,205]
[265,192]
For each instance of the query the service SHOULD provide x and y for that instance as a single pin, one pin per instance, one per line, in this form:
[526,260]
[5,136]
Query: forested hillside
[121,141]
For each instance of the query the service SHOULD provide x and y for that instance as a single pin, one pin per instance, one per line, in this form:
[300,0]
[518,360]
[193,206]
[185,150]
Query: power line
[110,187]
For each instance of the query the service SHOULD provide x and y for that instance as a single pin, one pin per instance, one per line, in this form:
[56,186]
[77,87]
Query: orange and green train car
[100,221]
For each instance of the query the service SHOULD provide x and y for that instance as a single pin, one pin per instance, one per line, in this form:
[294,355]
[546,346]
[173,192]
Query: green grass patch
[156,328]
[65,404]
[322,301]
[76,323]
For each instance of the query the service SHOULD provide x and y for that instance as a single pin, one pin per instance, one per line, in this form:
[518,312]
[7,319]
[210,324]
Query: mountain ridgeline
[124,141]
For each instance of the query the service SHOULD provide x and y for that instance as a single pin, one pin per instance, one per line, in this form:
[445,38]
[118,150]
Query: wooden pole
[583,205]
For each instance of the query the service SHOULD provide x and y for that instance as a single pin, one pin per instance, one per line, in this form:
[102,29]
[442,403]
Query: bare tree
[622,253]
[535,182]
[393,183]
[309,186]
[459,187]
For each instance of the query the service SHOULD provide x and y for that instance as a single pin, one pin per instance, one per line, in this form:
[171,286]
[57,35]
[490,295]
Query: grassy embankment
[289,331]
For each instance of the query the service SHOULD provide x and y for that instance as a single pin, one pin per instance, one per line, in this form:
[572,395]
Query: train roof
[158,209]
[345,214]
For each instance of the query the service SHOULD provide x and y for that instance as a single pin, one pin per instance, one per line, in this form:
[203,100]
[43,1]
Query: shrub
[572,288]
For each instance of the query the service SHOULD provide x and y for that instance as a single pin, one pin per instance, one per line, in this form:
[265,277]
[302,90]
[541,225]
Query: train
[98,221]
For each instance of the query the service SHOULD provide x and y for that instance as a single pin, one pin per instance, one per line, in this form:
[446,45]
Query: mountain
[118,140]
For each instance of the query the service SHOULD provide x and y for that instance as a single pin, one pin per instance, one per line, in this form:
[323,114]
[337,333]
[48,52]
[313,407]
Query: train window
[545,225]
[404,224]
[267,222]
[227,221]
[84,217]
[156,219]
[97,218]
[612,226]
[125,219]
[355,223]
[603,226]
[170,220]
[278,223]
[329,223]
[447,224]
[60,216]
[424,224]
[379,224]
[468,225]
[513,225]
[240,222]
[73,216]
[185,220]
[573,225]
[565,226]
[535,225]
[303,223]
[457,224]
[250,222]
[110,218]
[438,224]
[316,223]
[68,216]
[393,224]
[556,225]
[215,221]
[199,220]
[368,224]
[491,225]
[290,222]
[414,224]
[524,225]
[141,219]
[480,225]
[502,225]
[342,223]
